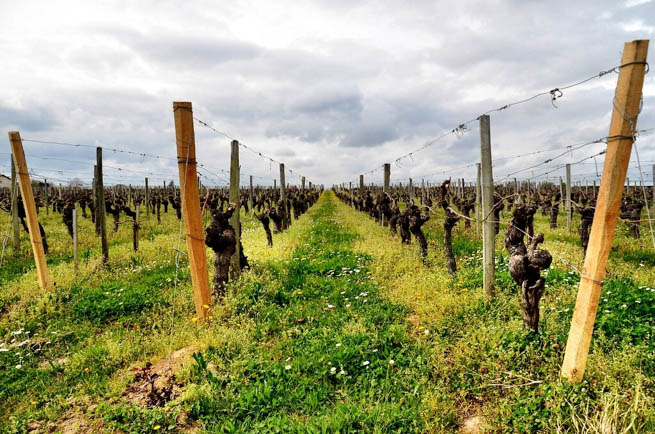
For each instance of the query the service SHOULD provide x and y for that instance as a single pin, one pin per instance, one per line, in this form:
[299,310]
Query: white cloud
[332,88]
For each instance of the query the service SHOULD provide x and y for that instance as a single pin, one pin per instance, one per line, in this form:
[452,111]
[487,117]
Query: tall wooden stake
[250,195]
[385,186]
[135,231]
[30,208]
[488,230]
[100,214]
[567,206]
[47,212]
[235,220]
[75,256]
[147,200]
[195,237]
[619,146]
[283,197]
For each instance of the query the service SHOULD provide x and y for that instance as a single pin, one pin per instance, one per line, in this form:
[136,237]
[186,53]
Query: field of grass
[338,328]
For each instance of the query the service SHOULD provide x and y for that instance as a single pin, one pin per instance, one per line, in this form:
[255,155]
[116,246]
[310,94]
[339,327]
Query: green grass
[287,349]
[327,353]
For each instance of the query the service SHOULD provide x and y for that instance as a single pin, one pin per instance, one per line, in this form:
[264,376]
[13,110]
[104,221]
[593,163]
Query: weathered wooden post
[135,231]
[283,197]
[411,190]
[75,256]
[18,156]
[195,237]
[385,185]
[147,200]
[567,207]
[488,230]
[14,208]
[302,184]
[250,197]
[422,191]
[45,181]
[100,210]
[617,158]
[235,220]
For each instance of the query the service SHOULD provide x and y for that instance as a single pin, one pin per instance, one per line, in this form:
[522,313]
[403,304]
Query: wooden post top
[182,104]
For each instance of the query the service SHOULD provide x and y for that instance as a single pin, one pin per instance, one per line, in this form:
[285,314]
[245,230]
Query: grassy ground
[338,328]
[489,367]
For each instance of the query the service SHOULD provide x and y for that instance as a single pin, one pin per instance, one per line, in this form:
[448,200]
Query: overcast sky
[331,88]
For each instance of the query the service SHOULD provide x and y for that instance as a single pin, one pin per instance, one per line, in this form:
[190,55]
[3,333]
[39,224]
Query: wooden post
[422,191]
[14,208]
[250,194]
[350,190]
[387,177]
[135,231]
[195,237]
[147,200]
[30,209]
[302,184]
[627,100]
[75,256]
[361,184]
[478,200]
[627,186]
[567,205]
[411,189]
[488,230]
[385,185]
[283,198]
[235,220]
[47,212]
[100,214]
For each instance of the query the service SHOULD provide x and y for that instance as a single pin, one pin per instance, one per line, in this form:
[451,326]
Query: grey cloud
[34,119]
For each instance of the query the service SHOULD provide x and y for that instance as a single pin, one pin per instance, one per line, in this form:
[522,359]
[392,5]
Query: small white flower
[375,350]
[366,363]
[342,372]
[637,301]
[330,306]
[426,332]
[348,305]
[339,344]
[4,350]
[287,367]
[391,362]
[19,366]
[333,370]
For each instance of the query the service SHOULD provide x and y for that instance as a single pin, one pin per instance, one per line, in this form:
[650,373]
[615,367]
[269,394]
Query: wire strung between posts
[243,145]
[554,94]
[124,151]
[78,145]
[570,149]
